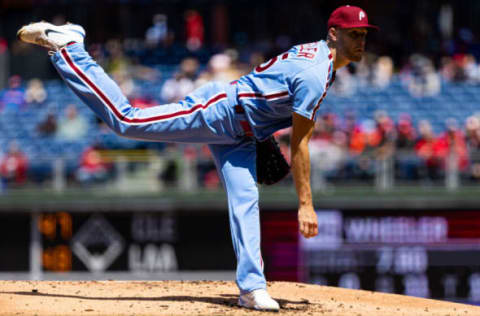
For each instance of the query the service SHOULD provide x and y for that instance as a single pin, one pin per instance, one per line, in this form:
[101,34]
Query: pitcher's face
[351,42]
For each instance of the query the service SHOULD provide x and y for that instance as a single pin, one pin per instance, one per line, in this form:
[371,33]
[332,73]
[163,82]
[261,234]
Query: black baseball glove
[271,165]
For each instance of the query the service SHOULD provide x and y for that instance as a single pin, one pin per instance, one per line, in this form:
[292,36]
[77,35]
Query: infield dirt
[206,298]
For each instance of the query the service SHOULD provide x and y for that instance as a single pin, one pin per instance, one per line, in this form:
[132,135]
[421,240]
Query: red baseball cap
[349,17]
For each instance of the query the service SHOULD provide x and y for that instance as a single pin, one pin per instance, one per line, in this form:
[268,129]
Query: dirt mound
[206,298]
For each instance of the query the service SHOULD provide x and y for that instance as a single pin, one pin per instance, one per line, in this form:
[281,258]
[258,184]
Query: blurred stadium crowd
[420,112]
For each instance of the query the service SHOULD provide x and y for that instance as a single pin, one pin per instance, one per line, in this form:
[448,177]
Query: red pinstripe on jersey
[317,106]
[105,100]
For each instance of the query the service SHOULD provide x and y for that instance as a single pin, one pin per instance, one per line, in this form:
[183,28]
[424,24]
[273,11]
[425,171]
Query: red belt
[245,125]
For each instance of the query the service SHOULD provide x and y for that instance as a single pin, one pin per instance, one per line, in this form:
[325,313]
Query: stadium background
[395,156]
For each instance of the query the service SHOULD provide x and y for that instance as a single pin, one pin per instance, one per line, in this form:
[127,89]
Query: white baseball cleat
[259,300]
[51,36]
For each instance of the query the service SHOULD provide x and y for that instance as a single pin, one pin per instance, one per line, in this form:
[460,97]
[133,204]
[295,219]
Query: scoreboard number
[56,230]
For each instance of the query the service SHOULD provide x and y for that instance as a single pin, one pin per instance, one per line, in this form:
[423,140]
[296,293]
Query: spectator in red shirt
[425,150]
[13,167]
[451,145]
[92,167]
[406,133]
[194,30]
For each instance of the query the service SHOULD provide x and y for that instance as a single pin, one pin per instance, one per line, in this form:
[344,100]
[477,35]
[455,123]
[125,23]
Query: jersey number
[268,64]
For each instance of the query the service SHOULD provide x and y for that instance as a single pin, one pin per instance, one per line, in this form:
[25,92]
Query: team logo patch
[361,15]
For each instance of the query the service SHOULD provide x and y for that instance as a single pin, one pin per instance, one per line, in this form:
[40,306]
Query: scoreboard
[432,254]
[152,242]
[425,253]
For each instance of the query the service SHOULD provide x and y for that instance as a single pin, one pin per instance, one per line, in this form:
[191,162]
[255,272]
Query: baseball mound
[205,298]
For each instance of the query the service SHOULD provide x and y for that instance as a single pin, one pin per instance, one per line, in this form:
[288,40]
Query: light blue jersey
[295,81]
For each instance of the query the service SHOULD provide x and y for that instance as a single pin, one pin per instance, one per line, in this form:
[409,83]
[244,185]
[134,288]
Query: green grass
[280,197]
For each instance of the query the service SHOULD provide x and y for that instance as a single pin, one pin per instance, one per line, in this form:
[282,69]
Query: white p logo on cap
[361,15]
